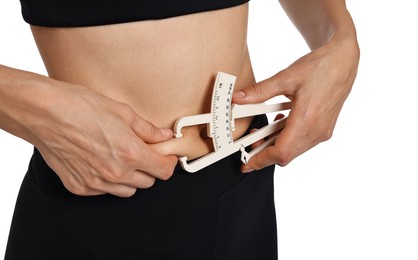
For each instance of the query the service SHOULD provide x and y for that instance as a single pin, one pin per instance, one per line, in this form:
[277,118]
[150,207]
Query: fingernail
[239,94]
[247,170]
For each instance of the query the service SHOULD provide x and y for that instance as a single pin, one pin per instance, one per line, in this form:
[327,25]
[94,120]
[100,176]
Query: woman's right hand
[95,144]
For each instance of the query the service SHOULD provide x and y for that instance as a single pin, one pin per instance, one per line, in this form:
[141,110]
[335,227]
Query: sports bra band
[76,13]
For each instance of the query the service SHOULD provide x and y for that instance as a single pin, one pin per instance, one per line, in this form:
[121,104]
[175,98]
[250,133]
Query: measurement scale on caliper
[221,123]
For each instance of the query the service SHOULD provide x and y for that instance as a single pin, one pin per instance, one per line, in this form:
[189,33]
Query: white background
[353,197]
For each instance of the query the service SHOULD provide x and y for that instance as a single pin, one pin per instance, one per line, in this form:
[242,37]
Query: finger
[264,90]
[263,159]
[124,186]
[295,138]
[149,132]
[116,189]
[96,186]
[139,180]
[157,165]
[281,154]
[84,192]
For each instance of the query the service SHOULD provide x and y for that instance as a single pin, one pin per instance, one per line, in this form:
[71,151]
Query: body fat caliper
[221,123]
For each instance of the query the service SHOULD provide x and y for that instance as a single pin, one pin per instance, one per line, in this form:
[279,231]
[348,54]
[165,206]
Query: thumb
[261,91]
[149,133]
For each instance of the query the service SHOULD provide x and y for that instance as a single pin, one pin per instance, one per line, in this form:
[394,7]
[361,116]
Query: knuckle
[128,192]
[257,88]
[93,182]
[128,153]
[103,171]
[147,183]
[74,186]
[166,174]
[111,177]
[78,190]
[168,169]
[150,131]
[283,157]
[326,135]
[324,132]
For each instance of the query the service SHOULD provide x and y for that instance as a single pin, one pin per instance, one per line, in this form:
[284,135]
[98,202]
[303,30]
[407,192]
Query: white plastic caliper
[221,123]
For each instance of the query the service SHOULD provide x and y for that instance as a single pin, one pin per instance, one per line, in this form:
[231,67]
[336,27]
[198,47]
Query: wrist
[346,45]
[23,101]
[333,25]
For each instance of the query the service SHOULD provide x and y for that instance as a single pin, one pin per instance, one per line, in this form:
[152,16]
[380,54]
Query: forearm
[25,98]
[317,83]
[95,144]
[319,21]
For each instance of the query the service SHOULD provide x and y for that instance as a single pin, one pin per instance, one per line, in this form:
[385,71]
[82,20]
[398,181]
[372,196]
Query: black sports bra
[71,13]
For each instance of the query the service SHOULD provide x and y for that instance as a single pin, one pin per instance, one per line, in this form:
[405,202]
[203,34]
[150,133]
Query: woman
[119,76]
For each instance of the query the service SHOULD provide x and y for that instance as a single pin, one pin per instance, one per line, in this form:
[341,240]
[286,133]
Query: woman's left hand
[317,84]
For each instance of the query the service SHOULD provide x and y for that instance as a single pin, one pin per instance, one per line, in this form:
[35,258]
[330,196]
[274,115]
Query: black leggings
[216,213]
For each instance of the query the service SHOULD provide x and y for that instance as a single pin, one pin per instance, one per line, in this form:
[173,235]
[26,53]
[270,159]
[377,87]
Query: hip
[216,213]
[181,189]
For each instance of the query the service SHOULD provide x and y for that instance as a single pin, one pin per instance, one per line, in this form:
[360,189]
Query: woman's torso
[163,69]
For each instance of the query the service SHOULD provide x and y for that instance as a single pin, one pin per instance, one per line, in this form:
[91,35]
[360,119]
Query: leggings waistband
[181,188]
